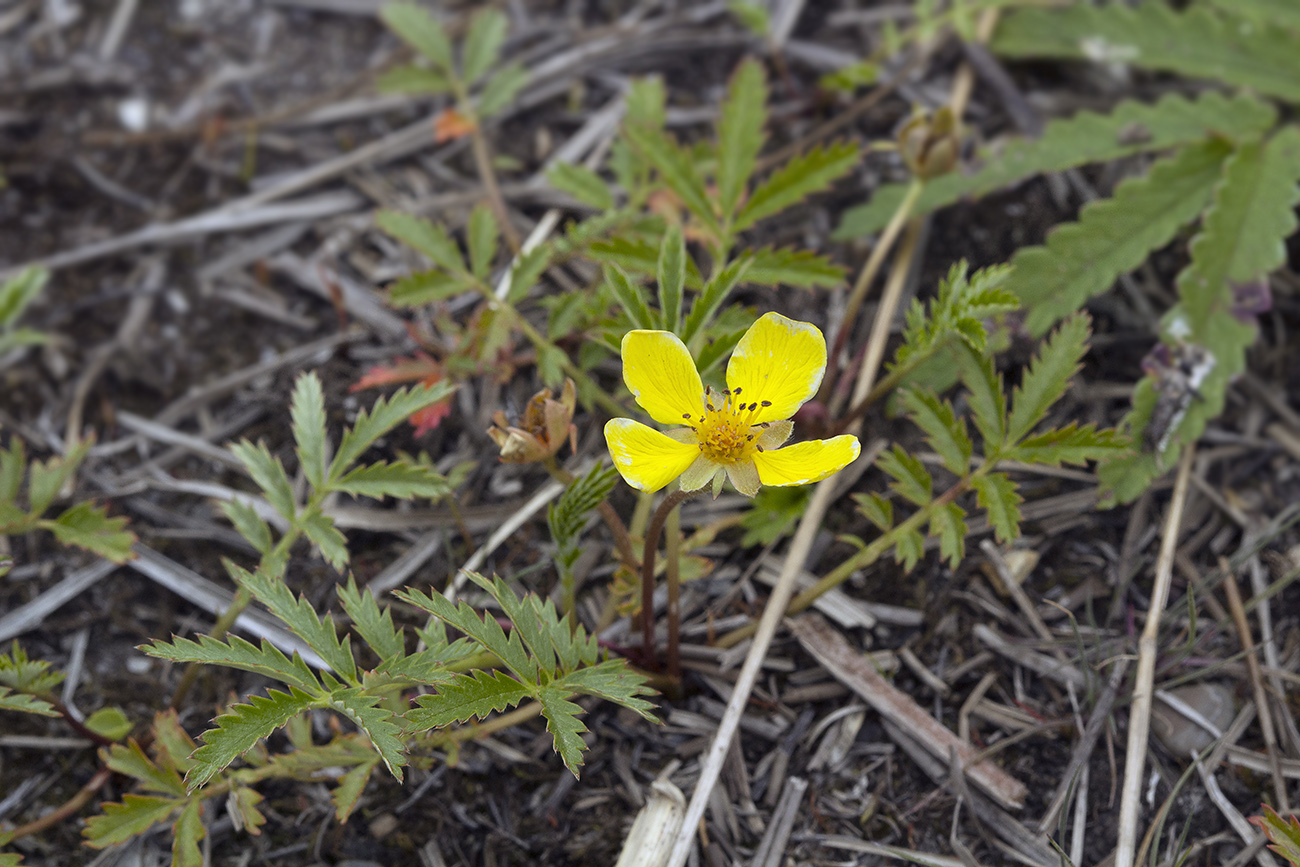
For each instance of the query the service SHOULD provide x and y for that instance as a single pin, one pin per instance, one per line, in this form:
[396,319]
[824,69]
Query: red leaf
[419,367]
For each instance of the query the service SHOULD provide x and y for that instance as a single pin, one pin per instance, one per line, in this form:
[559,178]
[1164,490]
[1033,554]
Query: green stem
[488,176]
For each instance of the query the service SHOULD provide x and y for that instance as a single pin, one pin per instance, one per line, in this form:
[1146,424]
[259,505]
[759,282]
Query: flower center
[726,431]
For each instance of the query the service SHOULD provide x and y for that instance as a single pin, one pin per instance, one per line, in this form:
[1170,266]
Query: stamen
[767,403]
[760,448]
[686,415]
[736,391]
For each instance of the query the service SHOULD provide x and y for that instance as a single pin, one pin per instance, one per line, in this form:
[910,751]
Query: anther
[686,415]
[754,406]
[767,403]
[736,391]
[760,448]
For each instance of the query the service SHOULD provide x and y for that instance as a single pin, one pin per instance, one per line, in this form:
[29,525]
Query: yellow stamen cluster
[724,432]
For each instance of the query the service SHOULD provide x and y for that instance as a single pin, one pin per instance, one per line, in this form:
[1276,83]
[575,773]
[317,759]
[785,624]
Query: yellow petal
[803,463]
[646,458]
[661,374]
[779,361]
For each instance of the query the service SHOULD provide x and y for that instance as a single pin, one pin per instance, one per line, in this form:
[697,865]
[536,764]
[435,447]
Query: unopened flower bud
[543,428]
[930,144]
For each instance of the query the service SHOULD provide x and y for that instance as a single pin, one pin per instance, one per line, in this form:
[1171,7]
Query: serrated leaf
[187,833]
[909,549]
[1284,834]
[876,509]
[132,817]
[385,415]
[639,256]
[565,727]
[1069,445]
[464,697]
[802,269]
[948,525]
[269,474]
[18,292]
[425,287]
[88,526]
[109,722]
[173,745]
[28,675]
[740,132]
[25,703]
[307,411]
[46,478]
[998,496]
[945,433]
[526,271]
[398,479]
[568,516]
[552,645]
[350,788]
[379,724]
[613,681]
[420,30]
[582,183]
[235,652]
[801,177]
[501,89]
[676,167]
[1047,376]
[1197,42]
[241,804]
[671,274]
[413,79]
[631,297]
[247,523]
[298,614]
[483,41]
[424,237]
[1087,137]
[1113,236]
[484,236]
[483,629]
[911,479]
[985,397]
[373,625]
[332,544]
[238,731]
[710,300]
[1283,13]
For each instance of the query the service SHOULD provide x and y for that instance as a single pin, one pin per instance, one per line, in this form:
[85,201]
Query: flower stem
[672,552]
[487,174]
[652,533]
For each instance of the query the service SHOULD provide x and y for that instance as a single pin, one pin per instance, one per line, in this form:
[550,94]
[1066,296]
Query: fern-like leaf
[671,275]
[425,237]
[948,525]
[301,617]
[399,479]
[1069,445]
[269,474]
[630,296]
[803,176]
[308,413]
[740,132]
[565,727]
[582,183]
[483,629]
[235,652]
[998,496]
[132,817]
[10,700]
[613,681]
[803,269]
[945,433]
[238,731]
[375,626]
[1047,376]
[911,479]
[187,833]
[377,722]
[88,526]
[465,697]
[677,168]
[386,414]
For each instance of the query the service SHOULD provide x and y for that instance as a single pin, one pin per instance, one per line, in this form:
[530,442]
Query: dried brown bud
[930,144]
[543,428]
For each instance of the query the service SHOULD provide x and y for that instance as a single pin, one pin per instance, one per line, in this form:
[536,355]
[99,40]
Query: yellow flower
[736,434]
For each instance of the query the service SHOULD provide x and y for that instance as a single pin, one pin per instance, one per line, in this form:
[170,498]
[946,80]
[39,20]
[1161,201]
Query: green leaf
[350,788]
[246,521]
[876,509]
[483,239]
[1197,42]
[525,272]
[1114,236]
[1284,834]
[308,413]
[582,183]
[379,724]
[998,496]
[568,516]
[676,167]
[109,722]
[710,299]
[948,525]
[1087,137]
[911,479]
[752,16]
[565,727]
[320,529]
[1069,445]
[943,431]
[483,629]
[373,625]
[173,744]
[238,731]
[424,237]
[671,273]
[614,681]
[187,832]
[129,759]
[413,79]
[269,474]
[802,269]
[88,526]
[501,89]
[420,30]
[25,703]
[47,478]
[386,414]
[13,466]
[236,652]
[909,549]
[639,256]
[20,337]
[985,397]
[1283,13]
[740,132]
[801,177]
[1047,376]
[28,675]
[555,647]
[425,287]
[18,292]
[466,696]
[646,100]
[483,41]
[298,614]
[131,818]
[242,806]
[398,479]
[630,297]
